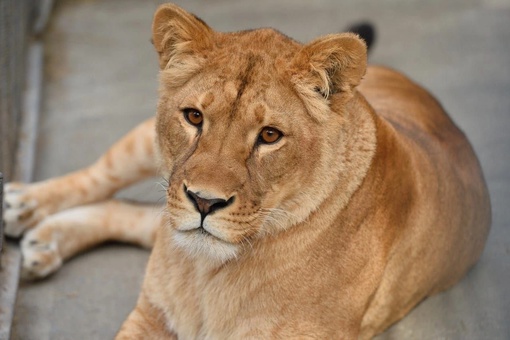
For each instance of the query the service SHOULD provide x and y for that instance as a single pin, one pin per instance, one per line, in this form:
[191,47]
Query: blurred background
[93,76]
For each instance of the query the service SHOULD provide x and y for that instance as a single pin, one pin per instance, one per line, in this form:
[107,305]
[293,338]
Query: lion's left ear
[331,64]
[178,34]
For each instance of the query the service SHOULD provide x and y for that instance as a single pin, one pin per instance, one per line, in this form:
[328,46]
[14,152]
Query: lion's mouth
[202,242]
[202,232]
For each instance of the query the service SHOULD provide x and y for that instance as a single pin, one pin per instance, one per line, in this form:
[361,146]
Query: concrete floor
[101,80]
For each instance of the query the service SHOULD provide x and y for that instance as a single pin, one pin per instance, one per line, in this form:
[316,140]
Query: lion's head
[250,126]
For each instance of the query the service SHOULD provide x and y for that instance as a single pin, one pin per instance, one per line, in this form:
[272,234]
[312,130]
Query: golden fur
[371,201]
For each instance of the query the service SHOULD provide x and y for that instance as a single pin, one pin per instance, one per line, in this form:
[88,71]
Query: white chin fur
[205,246]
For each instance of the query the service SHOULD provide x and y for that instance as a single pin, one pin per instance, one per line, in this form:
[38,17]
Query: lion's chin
[205,246]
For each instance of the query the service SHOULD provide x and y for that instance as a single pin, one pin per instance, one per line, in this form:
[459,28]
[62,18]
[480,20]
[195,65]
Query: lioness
[303,201]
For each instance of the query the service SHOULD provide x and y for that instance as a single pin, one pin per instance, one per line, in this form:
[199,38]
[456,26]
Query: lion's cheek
[283,175]
[174,143]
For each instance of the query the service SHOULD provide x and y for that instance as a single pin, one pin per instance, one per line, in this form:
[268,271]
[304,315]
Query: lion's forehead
[250,88]
[247,88]
[245,119]
[246,108]
[233,100]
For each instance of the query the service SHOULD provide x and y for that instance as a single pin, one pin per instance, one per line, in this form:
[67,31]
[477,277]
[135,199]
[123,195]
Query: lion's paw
[20,209]
[40,254]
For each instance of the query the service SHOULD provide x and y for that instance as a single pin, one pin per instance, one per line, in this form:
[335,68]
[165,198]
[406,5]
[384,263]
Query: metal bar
[10,259]
[25,161]
[11,256]
[1,214]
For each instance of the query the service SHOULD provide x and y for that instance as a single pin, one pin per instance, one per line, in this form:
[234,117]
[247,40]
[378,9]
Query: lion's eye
[193,116]
[269,135]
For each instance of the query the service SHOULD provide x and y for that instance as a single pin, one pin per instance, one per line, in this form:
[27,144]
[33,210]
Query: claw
[40,256]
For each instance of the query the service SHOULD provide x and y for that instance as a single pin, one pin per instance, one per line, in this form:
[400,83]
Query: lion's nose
[207,206]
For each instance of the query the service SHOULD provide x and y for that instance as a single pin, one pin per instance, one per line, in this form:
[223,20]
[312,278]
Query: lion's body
[434,187]
[416,224]
[370,200]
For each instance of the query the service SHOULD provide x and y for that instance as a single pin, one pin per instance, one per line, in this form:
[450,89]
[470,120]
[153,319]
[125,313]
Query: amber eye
[193,116]
[269,135]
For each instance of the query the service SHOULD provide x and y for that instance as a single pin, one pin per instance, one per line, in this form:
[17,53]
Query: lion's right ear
[177,34]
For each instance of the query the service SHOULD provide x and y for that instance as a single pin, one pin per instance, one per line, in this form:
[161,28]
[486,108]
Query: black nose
[207,206]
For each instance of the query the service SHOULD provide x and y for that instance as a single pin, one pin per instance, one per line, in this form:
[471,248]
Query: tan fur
[371,201]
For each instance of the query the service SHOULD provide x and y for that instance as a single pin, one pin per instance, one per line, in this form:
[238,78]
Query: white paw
[20,209]
[40,254]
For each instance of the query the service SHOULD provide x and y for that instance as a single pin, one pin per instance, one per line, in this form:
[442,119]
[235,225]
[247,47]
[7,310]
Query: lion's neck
[354,158]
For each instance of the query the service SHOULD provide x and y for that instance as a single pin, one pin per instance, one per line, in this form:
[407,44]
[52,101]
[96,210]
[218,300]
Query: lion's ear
[333,63]
[177,33]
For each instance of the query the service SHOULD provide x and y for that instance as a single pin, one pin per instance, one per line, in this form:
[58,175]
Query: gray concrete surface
[101,81]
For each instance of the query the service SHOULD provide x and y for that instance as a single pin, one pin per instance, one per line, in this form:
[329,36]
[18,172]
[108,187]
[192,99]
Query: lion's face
[249,152]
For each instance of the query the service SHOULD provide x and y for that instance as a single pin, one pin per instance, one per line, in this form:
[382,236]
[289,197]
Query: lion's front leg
[145,322]
[129,160]
[67,233]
